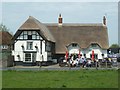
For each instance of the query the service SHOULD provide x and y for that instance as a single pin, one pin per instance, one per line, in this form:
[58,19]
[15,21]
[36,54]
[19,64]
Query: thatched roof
[83,34]
[33,24]
[5,38]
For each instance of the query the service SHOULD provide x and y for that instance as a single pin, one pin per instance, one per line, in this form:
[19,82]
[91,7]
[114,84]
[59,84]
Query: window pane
[28,57]
[94,45]
[33,36]
[18,37]
[25,32]
[95,56]
[74,45]
[29,37]
[33,56]
[37,33]
[29,32]
[21,33]
[29,45]
[33,32]
[21,37]
[25,36]
[38,37]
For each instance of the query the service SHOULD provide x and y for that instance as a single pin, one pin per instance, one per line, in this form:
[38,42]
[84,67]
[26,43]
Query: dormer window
[93,45]
[74,45]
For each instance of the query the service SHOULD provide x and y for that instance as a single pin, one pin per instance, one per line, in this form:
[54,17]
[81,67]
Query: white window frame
[29,47]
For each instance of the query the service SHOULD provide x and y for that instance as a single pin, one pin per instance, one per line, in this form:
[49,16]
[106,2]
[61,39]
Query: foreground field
[61,79]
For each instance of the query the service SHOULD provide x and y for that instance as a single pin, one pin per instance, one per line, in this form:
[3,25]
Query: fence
[6,60]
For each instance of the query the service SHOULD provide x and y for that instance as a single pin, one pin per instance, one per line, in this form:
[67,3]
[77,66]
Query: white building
[32,43]
[35,41]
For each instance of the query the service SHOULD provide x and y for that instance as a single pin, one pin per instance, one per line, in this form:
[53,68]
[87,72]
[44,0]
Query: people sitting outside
[84,62]
[73,60]
[89,63]
[76,62]
[81,62]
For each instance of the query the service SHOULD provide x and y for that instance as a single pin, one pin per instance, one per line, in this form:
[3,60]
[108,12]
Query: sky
[14,14]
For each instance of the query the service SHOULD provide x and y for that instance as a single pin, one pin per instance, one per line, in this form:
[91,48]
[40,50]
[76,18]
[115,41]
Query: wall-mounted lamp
[22,46]
[36,47]
[18,55]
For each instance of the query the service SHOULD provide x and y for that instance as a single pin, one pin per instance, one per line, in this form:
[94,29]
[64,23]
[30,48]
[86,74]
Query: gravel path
[53,67]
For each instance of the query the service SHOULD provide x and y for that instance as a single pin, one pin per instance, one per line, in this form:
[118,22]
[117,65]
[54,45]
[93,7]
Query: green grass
[61,79]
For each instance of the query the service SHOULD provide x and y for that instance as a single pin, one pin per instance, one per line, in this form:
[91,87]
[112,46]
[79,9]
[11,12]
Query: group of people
[75,60]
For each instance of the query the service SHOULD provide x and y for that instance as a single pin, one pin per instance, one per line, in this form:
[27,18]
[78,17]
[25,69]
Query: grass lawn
[61,79]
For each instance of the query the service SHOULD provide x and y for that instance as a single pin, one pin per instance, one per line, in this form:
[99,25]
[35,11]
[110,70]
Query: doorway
[30,57]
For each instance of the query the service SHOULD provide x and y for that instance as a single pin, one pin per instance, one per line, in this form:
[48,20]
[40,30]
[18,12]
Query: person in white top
[89,63]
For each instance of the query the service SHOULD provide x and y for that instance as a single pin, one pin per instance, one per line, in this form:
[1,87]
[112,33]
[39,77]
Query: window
[74,45]
[38,37]
[33,57]
[4,46]
[102,55]
[48,46]
[94,45]
[29,45]
[33,36]
[84,55]
[29,32]
[29,35]
[28,57]
[95,56]
[25,36]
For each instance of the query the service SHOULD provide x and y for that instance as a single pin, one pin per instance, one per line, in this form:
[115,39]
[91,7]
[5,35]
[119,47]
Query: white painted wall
[88,51]
[19,51]
[97,50]
[73,50]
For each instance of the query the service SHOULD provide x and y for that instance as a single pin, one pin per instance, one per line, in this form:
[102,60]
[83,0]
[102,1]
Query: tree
[114,46]
[4,28]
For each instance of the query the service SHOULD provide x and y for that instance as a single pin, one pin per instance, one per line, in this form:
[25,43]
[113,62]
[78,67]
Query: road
[52,67]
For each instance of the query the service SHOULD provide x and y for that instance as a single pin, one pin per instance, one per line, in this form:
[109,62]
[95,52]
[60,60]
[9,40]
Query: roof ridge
[75,24]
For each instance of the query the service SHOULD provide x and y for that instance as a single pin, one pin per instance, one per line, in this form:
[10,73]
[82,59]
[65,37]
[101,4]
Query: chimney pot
[104,20]
[60,20]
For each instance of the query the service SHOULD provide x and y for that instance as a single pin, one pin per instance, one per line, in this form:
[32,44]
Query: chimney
[104,20]
[60,20]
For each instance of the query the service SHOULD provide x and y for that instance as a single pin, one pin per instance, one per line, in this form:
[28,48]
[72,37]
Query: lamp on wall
[22,46]
[36,46]
[18,55]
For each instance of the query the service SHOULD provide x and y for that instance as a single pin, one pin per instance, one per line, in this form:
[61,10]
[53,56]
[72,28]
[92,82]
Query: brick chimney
[60,20]
[104,20]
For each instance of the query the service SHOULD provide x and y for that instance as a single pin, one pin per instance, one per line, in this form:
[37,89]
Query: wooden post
[99,64]
[13,62]
[106,63]
[96,64]
[40,65]
[69,66]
